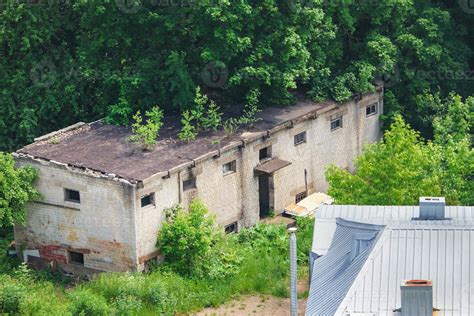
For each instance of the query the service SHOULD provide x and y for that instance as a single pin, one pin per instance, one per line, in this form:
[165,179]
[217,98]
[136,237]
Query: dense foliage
[262,268]
[16,189]
[403,167]
[64,61]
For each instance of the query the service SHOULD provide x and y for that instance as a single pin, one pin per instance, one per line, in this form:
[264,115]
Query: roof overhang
[271,166]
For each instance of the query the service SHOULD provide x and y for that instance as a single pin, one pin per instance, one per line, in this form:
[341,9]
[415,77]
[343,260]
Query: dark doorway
[264,195]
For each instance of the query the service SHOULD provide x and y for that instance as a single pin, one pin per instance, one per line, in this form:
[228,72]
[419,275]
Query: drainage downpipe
[293,273]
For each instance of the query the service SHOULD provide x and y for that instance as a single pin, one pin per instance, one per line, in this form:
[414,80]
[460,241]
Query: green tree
[16,189]
[453,138]
[403,167]
[146,134]
[187,238]
[84,60]
[188,130]
[395,171]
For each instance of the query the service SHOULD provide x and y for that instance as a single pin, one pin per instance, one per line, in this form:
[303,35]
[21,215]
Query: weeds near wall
[261,268]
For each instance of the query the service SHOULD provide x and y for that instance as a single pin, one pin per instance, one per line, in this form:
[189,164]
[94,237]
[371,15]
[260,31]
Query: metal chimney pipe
[417,298]
[293,273]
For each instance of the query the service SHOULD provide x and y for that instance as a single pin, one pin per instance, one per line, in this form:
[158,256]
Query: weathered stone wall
[115,233]
[322,148]
[101,226]
[234,197]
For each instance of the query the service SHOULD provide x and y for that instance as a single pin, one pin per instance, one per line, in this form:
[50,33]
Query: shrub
[87,303]
[187,239]
[43,299]
[213,118]
[146,134]
[188,130]
[193,248]
[126,305]
[11,296]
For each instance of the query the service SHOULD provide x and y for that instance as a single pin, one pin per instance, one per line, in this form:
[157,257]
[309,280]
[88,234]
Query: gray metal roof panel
[325,218]
[334,273]
[442,254]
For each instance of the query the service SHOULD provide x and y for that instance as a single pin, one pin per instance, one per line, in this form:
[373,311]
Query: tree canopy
[16,189]
[402,167]
[65,61]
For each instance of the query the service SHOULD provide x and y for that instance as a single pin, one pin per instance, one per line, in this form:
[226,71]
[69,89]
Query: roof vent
[432,208]
[417,298]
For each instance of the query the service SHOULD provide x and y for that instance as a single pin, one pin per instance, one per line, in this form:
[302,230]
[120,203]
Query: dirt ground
[255,305]
[260,304]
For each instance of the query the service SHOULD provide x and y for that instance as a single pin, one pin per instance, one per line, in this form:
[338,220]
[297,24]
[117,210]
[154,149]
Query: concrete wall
[115,233]
[234,197]
[101,226]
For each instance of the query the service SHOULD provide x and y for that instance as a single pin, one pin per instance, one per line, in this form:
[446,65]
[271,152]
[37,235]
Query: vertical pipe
[293,273]
[306,182]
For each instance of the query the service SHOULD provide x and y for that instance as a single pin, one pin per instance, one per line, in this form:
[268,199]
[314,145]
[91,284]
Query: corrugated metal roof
[335,273]
[325,218]
[440,253]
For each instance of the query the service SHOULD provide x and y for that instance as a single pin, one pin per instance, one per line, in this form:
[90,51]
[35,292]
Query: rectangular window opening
[300,138]
[72,196]
[300,196]
[76,257]
[336,123]
[371,109]
[189,184]
[265,153]
[148,199]
[229,167]
[231,228]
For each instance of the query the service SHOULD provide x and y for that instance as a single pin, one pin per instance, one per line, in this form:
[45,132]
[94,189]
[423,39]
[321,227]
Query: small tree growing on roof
[147,133]
[188,131]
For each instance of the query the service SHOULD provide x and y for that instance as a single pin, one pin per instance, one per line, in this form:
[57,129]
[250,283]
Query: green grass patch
[262,268]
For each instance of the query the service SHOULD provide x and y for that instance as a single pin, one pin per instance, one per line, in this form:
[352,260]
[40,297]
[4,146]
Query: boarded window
[76,257]
[148,199]
[189,184]
[336,123]
[229,167]
[300,138]
[265,153]
[231,228]
[371,109]
[300,196]
[72,196]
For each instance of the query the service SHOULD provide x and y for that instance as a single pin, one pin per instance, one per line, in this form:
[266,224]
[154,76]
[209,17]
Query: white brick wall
[118,234]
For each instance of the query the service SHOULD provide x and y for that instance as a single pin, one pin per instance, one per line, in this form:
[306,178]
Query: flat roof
[106,148]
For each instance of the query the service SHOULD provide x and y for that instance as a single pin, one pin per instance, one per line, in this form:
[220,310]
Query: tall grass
[263,269]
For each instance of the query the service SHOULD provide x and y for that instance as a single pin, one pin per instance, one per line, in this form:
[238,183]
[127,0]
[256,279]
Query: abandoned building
[104,197]
[393,260]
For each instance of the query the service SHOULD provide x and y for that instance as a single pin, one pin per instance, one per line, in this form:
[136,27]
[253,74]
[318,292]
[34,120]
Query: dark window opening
[300,196]
[76,257]
[229,167]
[72,196]
[265,153]
[189,184]
[371,109]
[148,199]
[231,228]
[336,123]
[300,138]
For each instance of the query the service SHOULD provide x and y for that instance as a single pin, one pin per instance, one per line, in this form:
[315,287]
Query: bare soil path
[255,305]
